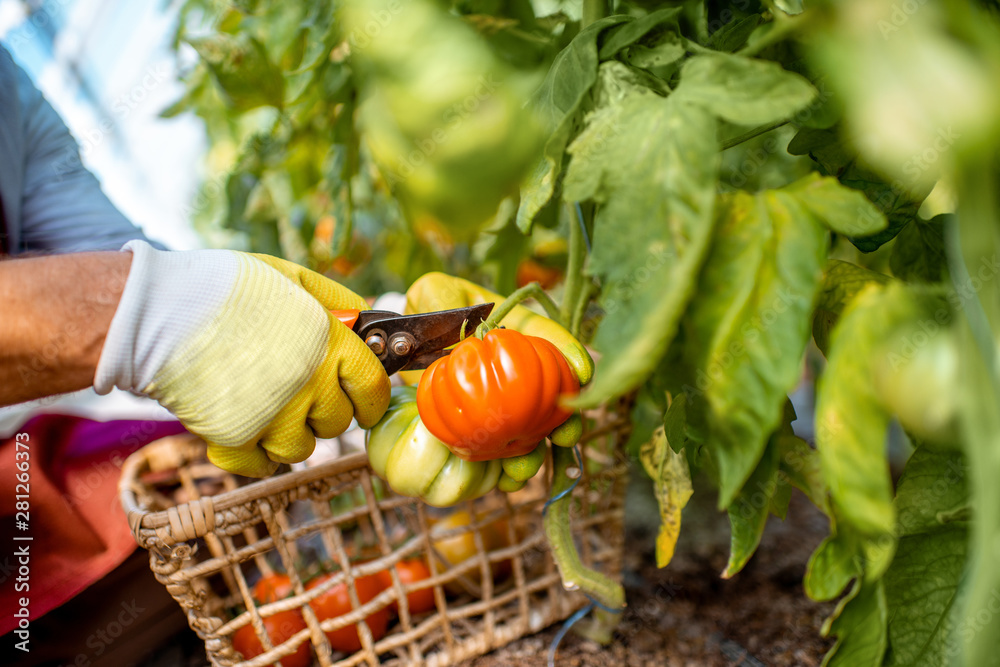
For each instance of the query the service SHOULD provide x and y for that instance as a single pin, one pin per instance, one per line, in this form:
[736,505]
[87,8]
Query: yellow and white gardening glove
[243,350]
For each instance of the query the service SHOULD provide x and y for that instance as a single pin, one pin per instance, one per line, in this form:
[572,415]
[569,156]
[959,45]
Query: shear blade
[413,342]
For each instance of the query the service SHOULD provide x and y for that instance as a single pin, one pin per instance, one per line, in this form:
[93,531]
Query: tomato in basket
[337,602]
[272,587]
[278,627]
[459,548]
[411,571]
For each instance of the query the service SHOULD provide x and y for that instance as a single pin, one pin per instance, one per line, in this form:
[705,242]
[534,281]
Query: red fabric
[78,529]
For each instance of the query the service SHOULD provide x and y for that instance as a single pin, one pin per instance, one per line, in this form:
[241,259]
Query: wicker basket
[209,539]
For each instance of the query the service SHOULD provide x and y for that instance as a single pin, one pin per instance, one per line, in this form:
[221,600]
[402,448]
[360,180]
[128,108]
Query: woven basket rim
[139,517]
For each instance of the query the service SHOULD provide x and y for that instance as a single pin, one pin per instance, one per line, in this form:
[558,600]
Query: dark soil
[686,614]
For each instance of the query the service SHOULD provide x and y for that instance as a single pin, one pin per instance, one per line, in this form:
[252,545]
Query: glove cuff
[167,297]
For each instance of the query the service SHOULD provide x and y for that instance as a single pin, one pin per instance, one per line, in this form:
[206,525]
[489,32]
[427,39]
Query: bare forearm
[54,315]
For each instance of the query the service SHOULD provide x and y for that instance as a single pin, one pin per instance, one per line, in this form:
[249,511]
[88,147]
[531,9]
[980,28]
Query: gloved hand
[243,350]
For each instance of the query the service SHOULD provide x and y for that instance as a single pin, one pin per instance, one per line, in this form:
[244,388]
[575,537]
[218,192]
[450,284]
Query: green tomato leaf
[922,584]
[615,82]
[675,423]
[742,90]
[748,511]
[646,417]
[672,485]
[320,39]
[669,49]
[241,67]
[831,567]
[800,467]
[934,481]
[859,623]
[647,270]
[735,34]
[842,281]
[897,201]
[842,209]
[823,146]
[921,588]
[630,33]
[750,324]
[898,212]
[789,6]
[918,255]
[558,102]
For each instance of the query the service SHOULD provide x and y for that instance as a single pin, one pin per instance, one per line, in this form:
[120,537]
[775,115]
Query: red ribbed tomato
[496,397]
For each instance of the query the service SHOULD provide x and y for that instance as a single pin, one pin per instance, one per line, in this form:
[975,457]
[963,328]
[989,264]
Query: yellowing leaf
[841,283]
[672,482]
[750,323]
[851,422]
[844,210]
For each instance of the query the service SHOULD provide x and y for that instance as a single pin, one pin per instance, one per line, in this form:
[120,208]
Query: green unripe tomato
[414,463]
[918,383]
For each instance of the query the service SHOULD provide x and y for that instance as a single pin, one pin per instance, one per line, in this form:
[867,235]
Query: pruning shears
[412,342]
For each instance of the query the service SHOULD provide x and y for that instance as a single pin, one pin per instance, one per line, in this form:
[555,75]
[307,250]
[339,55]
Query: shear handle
[348,317]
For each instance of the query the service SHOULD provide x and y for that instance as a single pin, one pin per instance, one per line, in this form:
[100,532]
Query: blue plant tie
[554,646]
[568,490]
[583,226]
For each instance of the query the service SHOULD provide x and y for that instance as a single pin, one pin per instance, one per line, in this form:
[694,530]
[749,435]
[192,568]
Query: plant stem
[747,136]
[529,291]
[973,245]
[593,10]
[574,573]
[574,267]
[784,26]
[581,307]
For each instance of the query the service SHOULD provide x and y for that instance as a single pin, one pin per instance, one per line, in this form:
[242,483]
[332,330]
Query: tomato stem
[589,290]
[601,588]
[752,134]
[529,291]
[574,267]
[972,245]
